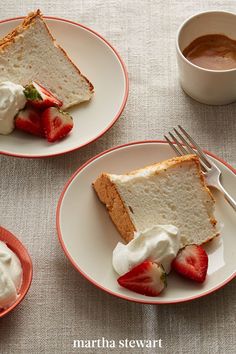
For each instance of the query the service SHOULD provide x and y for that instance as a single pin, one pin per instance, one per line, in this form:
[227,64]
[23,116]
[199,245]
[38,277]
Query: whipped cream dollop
[160,244]
[12,99]
[10,276]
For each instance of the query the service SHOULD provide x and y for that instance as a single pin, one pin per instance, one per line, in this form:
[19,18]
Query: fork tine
[184,141]
[190,149]
[182,151]
[172,146]
[181,148]
[197,147]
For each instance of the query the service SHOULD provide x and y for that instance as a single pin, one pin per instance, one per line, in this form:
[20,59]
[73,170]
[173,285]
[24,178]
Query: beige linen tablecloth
[61,305]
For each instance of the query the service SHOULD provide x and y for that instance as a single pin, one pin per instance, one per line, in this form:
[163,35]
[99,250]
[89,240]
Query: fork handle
[228,197]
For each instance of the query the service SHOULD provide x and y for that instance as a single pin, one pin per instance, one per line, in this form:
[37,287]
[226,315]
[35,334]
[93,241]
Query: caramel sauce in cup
[206,57]
[212,51]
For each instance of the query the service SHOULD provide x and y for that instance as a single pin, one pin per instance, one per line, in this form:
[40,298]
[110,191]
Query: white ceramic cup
[215,87]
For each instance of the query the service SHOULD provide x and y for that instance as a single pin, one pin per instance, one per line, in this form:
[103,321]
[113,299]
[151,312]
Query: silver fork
[186,145]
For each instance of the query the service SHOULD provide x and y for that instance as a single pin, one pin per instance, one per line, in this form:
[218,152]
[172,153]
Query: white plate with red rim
[88,236]
[103,66]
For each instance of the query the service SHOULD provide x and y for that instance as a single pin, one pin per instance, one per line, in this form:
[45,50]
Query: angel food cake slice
[30,53]
[170,192]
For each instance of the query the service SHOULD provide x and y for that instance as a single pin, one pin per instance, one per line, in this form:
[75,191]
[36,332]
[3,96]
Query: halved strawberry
[29,120]
[39,97]
[56,123]
[192,262]
[147,278]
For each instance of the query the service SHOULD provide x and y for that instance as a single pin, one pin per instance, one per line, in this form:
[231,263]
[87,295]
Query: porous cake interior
[32,56]
[175,195]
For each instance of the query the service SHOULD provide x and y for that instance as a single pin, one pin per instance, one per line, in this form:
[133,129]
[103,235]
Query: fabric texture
[61,305]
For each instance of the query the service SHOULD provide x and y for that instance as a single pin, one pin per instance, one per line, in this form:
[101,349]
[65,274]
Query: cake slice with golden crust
[169,192]
[30,53]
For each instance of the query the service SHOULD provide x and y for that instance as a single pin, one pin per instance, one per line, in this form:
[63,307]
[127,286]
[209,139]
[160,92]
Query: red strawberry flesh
[29,120]
[147,278]
[192,263]
[39,97]
[57,124]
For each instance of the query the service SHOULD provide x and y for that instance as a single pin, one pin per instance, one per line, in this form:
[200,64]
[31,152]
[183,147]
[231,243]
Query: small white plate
[88,236]
[98,61]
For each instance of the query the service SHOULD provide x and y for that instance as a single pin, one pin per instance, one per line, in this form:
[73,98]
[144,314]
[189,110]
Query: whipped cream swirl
[12,99]
[159,244]
[10,276]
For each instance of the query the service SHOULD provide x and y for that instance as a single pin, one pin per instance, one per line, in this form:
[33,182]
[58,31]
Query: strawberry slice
[56,123]
[147,278]
[192,262]
[29,120]
[39,97]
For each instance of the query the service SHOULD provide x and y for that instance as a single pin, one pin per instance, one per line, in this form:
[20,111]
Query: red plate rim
[117,116]
[19,249]
[90,279]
